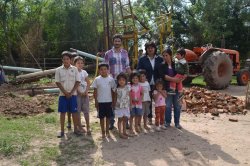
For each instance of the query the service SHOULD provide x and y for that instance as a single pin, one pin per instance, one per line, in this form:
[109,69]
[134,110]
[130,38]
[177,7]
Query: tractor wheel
[188,81]
[243,77]
[218,70]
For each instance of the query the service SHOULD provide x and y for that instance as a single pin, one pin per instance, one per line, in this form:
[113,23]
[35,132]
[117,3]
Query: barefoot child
[67,80]
[122,104]
[160,105]
[136,95]
[104,85]
[146,98]
[82,93]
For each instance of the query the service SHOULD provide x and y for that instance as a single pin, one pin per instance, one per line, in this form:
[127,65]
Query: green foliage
[49,27]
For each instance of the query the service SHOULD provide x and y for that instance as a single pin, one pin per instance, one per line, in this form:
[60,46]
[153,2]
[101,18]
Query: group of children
[127,97]
[129,100]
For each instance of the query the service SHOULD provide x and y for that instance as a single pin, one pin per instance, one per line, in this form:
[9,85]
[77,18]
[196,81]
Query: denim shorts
[136,112]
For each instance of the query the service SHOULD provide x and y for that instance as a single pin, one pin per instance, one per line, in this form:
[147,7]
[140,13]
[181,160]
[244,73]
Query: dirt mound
[200,100]
[14,104]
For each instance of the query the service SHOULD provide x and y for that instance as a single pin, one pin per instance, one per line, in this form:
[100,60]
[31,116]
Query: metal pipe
[24,69]
[107,20]
[53,90]
[84,54]
[37,74]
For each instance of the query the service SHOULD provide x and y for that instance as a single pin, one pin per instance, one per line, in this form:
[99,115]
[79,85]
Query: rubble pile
[200,100]
[15,105]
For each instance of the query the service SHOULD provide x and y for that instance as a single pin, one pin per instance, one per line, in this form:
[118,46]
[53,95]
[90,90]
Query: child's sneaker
[163,127]
[167,125]
[178,126]
[158,128]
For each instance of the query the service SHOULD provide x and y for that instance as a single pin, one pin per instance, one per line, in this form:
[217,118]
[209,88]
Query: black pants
[152,87]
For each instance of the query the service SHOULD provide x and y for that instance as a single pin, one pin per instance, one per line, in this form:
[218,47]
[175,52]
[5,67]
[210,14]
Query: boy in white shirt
[104,87]
[67,79]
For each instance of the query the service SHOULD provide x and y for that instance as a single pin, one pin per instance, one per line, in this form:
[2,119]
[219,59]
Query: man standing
[118,61]
[150,63]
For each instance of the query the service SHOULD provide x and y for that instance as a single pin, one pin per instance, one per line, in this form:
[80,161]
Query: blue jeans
[172,102]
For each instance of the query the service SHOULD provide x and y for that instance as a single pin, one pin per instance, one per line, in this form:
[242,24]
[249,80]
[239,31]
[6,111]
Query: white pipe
[87,55]
[37,74]
[24,69]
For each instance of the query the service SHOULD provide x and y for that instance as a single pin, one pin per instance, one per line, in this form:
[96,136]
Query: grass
[32,141]
[200,81]
[16,134]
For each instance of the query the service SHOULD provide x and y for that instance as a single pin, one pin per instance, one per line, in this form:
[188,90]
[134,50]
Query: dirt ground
[204,140]
[16,102]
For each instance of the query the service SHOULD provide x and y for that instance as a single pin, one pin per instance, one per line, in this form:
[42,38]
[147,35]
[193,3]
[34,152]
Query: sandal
[60,135]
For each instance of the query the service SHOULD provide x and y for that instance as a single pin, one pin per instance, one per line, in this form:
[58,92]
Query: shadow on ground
[76,150]
[169,147]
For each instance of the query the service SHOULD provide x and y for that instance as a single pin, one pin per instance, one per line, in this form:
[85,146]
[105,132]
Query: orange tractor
[217,65]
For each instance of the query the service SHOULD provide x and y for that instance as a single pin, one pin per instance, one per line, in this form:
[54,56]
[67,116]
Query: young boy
[82,93]
[181,68]
[67,79]
[146,97]
[104,87]
[72,56]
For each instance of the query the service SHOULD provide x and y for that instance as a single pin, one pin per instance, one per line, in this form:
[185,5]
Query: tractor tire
[243,77]
[218,70]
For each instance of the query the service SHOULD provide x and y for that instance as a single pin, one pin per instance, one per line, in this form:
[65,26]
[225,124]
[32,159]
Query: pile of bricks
[200,100]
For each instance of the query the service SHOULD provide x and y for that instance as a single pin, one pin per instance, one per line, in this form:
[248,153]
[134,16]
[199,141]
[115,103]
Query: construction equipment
[217,65]
[243,75]
[124,21]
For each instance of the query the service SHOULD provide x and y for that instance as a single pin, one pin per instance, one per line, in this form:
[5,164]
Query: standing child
[104,85]
[122,104]
[146,98]
[136,95]
[181,68]
[72,56]
[67,79]
[82,93]
[160,105]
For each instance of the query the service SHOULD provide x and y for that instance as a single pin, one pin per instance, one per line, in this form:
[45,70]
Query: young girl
[160,105]
[122,104]
[146,98]
[82,93]
[136,95]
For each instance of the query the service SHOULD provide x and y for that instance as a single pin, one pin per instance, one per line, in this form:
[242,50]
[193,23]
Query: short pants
[136,112]
[67,104]
[119,113]
[105,110]
[83,104]
[146,108]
